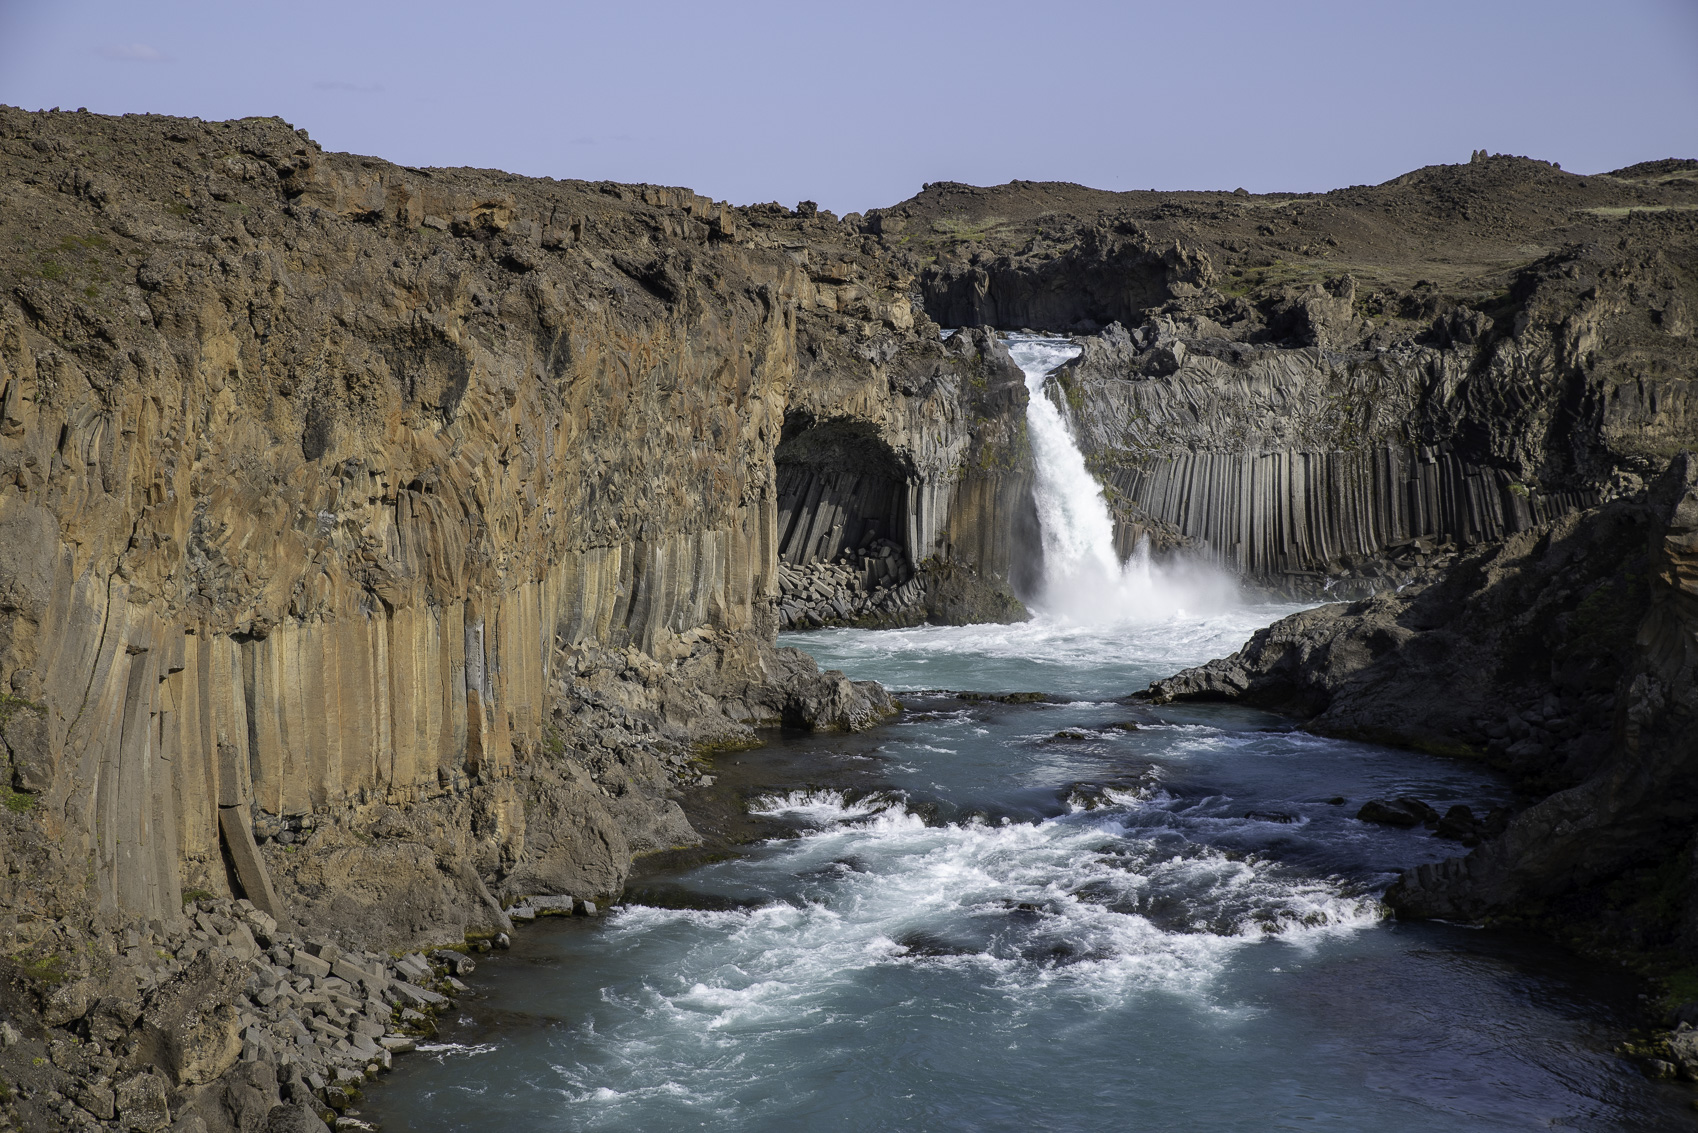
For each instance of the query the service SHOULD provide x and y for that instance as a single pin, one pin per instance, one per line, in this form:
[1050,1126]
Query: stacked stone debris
[873,582]
[229,1005]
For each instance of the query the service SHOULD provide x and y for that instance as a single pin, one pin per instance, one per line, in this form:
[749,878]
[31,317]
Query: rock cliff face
[378,541]
[1295,463]
[1298,385]
[930,454]
[1467,383]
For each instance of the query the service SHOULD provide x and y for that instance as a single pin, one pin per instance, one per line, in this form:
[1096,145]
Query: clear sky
[856,105]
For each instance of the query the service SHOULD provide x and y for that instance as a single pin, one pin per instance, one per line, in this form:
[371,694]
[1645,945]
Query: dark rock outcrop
[932,460]
[1289,463]
[1566,655]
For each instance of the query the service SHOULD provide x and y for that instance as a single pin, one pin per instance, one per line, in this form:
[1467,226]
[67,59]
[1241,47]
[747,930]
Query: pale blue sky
[857,105]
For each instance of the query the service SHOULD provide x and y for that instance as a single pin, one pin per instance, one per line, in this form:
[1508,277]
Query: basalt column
[851,513]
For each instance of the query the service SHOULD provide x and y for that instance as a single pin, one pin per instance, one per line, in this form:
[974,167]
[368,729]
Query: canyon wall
[932,454]
[342,497]
[380,545]
[1315,386]
[1296,463]
[1464,397]
[378,542]
[1564,656]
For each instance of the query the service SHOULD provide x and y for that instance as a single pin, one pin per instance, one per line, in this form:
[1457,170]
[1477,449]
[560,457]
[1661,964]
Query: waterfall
[1084,580]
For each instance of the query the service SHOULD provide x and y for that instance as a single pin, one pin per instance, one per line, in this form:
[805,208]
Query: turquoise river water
[979,926]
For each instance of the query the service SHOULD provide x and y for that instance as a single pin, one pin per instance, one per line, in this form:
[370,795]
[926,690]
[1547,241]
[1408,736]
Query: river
[1072,913]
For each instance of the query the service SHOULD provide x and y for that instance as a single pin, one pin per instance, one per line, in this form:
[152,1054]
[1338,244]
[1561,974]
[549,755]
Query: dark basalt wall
[840,486]
[1291,515]
[1305,386]
[1109,276]
[1566,656]
[1287,463]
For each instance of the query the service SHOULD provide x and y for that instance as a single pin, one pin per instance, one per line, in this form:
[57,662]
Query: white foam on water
[1048,652]
[822,808]
[456,1048]
[1084,582]
[1050,906]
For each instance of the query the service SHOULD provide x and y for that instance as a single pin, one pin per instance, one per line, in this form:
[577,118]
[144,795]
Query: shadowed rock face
[934,459]
[1639,806]
[1290,463]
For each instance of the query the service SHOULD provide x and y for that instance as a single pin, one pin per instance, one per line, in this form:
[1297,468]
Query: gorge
[386,548]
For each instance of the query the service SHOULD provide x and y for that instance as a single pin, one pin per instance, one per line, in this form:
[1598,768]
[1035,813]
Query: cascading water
[1084,580]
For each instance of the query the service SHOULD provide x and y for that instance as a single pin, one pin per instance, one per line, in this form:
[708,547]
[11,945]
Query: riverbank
[1563,657]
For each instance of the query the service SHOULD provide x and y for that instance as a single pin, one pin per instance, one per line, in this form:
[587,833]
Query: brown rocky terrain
[383,547]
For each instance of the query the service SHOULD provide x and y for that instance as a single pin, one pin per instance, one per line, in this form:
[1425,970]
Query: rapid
[1061,912]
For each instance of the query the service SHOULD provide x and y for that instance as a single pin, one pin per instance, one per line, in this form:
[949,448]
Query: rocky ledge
[219,1020]
[868,585]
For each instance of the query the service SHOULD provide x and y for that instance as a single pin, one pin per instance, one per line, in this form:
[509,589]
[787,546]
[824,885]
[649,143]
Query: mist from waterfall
[1084,580]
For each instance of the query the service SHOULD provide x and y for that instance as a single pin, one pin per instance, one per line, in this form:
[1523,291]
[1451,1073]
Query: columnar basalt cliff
[381,546]
[332,485]
[1299,385]
[930,455]
[1298,463]
[1564,655]
[1456,395]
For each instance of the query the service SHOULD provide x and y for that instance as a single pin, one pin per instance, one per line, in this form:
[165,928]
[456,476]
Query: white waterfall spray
[1084,580]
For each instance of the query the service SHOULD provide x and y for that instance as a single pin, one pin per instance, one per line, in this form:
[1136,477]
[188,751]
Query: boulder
[1459,825]
[190,1027]
[67,1002]
[1406,812]
[309,965]
[293,1117]
[96,1096]
[141,1105]
[1683,1051]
